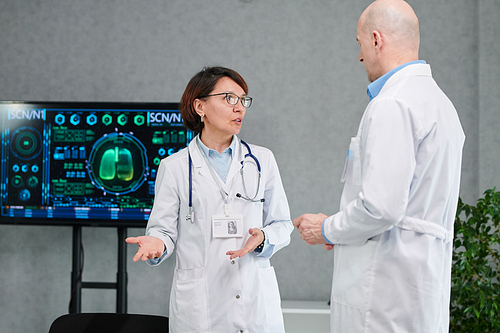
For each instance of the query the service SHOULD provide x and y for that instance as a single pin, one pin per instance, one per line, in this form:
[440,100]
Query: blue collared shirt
[220,162]
[376,86]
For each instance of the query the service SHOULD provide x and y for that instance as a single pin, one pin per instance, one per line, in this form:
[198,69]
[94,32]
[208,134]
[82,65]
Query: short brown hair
[203,83]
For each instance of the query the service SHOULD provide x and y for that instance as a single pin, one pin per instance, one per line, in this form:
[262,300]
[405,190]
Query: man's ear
[377,41]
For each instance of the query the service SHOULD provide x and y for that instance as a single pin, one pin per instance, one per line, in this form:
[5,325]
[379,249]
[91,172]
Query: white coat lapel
[200,167]
[235,167]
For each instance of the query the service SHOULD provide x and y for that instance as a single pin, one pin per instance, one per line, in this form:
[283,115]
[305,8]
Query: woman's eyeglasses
[232,99]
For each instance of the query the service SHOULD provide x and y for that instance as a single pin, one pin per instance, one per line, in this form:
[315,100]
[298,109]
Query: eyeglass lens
[233,99]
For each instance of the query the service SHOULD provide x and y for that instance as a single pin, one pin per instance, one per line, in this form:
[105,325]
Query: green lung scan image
[116,163]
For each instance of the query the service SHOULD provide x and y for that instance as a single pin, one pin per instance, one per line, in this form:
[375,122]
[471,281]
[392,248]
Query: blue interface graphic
[84,161]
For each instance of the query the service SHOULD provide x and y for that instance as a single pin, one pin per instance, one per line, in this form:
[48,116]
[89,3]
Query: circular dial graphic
[26,143]
[118,163]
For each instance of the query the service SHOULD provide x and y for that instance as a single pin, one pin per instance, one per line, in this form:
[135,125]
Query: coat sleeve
[388,140]
[276,215]
[165,213]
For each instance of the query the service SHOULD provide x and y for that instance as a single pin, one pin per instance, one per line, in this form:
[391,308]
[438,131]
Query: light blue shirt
[376,86]
[373,90]
[220,162]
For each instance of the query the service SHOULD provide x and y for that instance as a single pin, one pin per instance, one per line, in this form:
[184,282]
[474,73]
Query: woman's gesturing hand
[256,237]
[150,247]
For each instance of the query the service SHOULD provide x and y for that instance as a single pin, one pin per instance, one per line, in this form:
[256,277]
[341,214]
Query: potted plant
[475,292]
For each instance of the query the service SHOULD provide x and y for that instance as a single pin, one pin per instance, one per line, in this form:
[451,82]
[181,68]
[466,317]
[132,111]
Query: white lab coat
[211,293]
[394,230]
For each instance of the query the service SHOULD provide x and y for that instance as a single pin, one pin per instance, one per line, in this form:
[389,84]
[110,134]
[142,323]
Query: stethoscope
[245,196]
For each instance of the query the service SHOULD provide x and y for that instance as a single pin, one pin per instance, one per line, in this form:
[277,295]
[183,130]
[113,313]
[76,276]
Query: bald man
[392,238]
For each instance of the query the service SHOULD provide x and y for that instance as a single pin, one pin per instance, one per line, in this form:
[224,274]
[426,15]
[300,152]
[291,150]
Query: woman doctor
[222,204]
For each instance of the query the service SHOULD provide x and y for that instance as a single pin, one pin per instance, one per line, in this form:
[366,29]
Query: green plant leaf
[476,261]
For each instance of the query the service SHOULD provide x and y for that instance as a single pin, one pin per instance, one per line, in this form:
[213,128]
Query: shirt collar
[229,150]
[376,86]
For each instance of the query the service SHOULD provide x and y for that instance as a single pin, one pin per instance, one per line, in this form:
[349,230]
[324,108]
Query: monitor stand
[76,275]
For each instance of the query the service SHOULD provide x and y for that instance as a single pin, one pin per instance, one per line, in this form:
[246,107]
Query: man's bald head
[395,19]
[388,33]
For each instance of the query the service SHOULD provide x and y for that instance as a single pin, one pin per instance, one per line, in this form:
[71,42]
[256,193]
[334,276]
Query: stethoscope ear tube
[250,155]
[247,197]
[189,215]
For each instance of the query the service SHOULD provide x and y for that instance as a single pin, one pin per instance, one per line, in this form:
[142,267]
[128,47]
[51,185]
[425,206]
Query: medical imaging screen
[75,162]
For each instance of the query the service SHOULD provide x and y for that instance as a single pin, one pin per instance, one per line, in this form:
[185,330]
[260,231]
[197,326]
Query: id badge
[227,226]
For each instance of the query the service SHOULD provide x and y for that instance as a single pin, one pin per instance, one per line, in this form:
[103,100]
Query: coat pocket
[352,167]
[352,276]
[188,302]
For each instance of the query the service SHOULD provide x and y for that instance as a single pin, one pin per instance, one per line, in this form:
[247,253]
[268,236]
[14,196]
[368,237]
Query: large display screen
[84,163]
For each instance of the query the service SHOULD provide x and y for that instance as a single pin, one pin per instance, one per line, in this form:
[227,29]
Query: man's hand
[150,247]
[256,237]
[328,247]
[310,229]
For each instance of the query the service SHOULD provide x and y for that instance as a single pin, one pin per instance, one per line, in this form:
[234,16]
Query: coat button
[232,262]
[237,296]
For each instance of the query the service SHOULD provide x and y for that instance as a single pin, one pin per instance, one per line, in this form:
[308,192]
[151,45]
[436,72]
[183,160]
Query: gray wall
[300,61]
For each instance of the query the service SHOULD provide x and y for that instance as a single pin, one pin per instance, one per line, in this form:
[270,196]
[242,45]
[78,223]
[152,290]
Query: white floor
[306,316]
